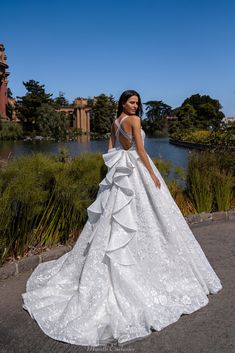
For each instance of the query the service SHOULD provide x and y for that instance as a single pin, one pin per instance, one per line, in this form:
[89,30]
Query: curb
[208,217]
[31,262]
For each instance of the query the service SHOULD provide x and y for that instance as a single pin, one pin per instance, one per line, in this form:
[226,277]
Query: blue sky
[166,50]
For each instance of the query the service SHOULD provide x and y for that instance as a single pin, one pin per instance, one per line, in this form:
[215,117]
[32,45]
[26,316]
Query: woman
[136,265]
[130,104]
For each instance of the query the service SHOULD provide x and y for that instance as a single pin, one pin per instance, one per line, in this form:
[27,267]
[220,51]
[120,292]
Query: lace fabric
[135,266]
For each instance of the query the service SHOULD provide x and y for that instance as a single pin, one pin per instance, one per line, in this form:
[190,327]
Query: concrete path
[208,330]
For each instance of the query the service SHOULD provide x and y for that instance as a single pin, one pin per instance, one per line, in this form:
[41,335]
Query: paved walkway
[208,330]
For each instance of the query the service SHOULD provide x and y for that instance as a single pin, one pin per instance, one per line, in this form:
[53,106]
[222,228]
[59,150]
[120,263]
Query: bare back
[123,131]
[128,131]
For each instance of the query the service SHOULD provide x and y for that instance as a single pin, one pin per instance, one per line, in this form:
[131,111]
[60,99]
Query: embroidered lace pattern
[135,266]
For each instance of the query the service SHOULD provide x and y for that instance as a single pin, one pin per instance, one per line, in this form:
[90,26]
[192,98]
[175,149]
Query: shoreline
[196,145]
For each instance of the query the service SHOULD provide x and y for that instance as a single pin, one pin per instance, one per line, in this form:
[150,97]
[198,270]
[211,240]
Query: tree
[10,109]
[186,116]
[9,93]
[60,101]
[10,104]
[206,111]
[52,123]
[156,114]
[27,106]
[103,111]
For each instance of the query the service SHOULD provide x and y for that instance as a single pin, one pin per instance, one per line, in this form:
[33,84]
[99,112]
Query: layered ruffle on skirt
[136,264]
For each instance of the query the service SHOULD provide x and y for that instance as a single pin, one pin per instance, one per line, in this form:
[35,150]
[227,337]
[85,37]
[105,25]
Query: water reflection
[83,138]
[155,147]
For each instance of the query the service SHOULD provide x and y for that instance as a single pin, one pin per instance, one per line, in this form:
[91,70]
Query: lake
[155,147]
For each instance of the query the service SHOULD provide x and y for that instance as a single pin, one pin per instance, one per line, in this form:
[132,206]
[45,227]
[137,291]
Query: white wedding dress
[136,265]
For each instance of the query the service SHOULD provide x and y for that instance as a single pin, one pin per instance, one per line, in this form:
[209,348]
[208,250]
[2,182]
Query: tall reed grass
[43,200]
[75,188]
[210,181]
[223,190]
[178,193]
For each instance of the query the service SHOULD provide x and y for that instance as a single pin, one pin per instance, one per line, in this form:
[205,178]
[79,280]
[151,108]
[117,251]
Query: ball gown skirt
[136,265]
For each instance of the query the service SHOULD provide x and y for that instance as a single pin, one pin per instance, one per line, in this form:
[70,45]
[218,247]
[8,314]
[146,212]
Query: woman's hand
[156,180]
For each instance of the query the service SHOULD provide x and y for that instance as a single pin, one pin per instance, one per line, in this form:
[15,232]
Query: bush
[42,200]
[221,138]
[181,198]
[25,188]
[10,131]
[75,188]
[176,190]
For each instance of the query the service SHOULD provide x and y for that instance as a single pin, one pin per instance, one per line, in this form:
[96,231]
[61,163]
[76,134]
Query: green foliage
[43,200]
[75,188]
[10,109]
[197,136]
[27,105]
[179,173]
[36,110]
[102,113]
[210,180]
[224,138]
[73,133]
[52,123]
[26,184]
[223,186]
[186,116]
[156,113]
[181,198]
[9,93]
[177,192]
[199,189]
[221,139]
[200,112]
[60,101]
[10,104]
[164,167]
[10,131]
[63,154]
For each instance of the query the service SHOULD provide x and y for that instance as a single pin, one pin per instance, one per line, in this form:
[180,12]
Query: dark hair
[124,97]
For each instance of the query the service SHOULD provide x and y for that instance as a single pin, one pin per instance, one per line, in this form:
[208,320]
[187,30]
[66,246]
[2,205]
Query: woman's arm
[112,138]
[136,128]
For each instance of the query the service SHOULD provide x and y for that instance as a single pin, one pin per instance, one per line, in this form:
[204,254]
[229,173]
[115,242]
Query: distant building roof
[230,119]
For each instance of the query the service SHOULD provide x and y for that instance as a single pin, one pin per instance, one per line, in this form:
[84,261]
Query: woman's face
[131,105]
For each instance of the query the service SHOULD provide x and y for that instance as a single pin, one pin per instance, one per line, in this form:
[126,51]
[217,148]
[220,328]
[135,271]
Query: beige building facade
[79,112]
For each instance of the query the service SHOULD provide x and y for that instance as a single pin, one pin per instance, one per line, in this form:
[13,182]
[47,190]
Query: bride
[136,265]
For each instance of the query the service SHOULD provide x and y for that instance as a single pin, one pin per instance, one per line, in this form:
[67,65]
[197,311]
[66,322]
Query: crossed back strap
[119,129]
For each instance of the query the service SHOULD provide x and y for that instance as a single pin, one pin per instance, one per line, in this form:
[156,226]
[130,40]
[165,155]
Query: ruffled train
[135,267]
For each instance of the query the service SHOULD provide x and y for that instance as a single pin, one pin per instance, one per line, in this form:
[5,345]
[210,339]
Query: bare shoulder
[135,120]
